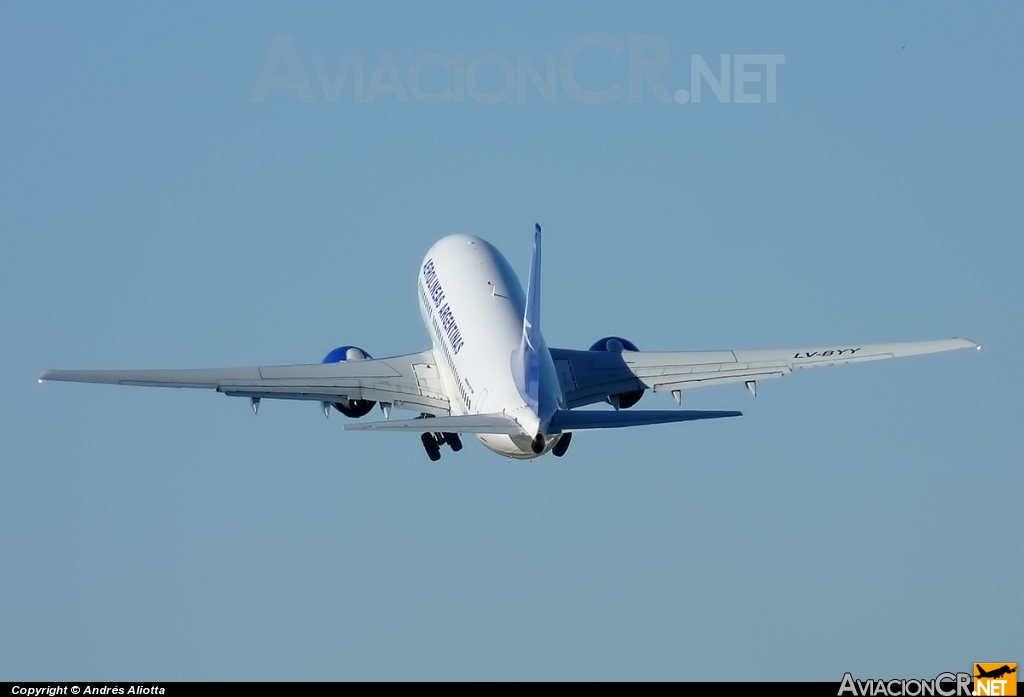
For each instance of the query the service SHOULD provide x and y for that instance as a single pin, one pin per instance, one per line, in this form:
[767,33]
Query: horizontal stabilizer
[566,420]
[470,423]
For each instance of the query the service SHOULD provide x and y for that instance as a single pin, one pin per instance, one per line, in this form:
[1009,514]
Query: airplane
[996,673]
[490,373]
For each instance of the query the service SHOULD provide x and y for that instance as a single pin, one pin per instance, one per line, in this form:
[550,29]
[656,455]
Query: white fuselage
[473,306]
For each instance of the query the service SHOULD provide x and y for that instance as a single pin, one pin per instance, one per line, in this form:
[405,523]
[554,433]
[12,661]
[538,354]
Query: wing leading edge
[592,376]
[407,382]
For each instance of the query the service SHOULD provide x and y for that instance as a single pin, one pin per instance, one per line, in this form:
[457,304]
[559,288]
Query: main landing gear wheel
[562,445]
[432,443]
[431,446]
[453,440]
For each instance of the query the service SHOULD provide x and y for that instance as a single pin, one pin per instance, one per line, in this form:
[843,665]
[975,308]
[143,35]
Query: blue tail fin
[528,371]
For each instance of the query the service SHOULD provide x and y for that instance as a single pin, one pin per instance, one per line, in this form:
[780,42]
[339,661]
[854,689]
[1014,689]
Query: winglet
[527,372]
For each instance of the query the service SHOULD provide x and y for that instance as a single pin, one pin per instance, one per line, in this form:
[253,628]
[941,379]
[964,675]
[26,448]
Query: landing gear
[453,440]
[432,443]
[562,445]
[431,446]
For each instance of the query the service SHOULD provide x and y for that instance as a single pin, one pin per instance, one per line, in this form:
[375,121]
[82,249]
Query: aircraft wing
[407,382]
[587,377]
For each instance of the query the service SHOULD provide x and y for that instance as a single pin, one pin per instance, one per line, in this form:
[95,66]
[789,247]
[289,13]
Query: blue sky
[153,215]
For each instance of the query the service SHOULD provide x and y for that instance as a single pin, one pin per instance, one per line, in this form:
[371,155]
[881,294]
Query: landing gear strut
[432,443]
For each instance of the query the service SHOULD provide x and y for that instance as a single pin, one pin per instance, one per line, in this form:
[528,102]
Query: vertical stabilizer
[527,372]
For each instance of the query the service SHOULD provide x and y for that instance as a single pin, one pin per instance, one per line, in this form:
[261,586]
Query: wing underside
[587,377]
[408,382]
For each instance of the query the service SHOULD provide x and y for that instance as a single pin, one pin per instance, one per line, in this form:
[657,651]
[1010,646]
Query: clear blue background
[864,518]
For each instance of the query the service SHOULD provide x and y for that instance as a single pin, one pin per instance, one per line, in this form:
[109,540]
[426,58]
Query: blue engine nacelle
[352,408]
[616,344]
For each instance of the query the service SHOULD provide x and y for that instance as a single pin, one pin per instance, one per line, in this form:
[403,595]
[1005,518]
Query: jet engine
[352,408]
[616,344]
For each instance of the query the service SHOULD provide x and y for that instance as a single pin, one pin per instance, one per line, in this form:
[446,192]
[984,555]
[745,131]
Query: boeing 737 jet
[490,373]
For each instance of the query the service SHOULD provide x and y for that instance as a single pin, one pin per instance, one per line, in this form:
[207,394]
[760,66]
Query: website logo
[592,68]
[943,685]
[995,679]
